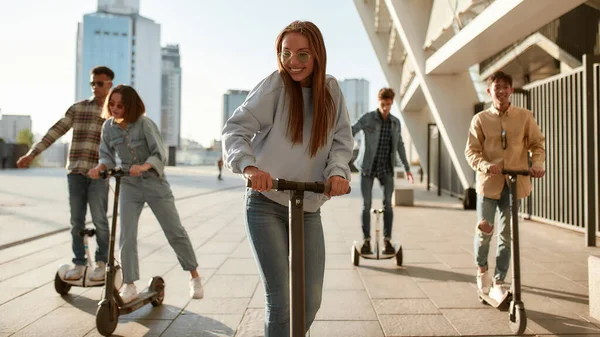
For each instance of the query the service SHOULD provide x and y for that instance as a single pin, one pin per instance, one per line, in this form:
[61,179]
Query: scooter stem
[514,224]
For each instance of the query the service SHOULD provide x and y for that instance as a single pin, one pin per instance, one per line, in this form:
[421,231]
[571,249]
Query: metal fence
[442,175]
[566,108]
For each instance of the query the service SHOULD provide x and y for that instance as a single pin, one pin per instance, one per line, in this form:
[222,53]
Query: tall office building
[356,95]
[171,96]
[118,37]
[231,100]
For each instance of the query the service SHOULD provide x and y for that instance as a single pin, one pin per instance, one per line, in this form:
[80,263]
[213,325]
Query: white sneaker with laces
[498,293]
[99,271]
[196,290]
[128,292]
[484,282]
[75,274]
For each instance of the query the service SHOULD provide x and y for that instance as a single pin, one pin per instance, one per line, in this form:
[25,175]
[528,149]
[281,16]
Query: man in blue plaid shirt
[376,159]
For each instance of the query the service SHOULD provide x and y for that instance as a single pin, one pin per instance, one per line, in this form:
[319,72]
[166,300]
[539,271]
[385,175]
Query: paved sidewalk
[433,294]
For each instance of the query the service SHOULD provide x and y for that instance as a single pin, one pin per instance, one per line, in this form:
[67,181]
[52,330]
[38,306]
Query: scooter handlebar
[516,172]
[116,172]
[288,185]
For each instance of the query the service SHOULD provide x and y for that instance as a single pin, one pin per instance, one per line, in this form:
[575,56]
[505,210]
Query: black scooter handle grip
[287,185]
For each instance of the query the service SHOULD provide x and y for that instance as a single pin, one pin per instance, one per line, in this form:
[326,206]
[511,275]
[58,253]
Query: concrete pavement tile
[553,324]
[243,251]
[9,293]
[369,267]
[35,277]
[571,270]
[342,279]
[346,329]
[346,305]
[479,321]
[49,242]
[212,325]
[36,304]
[233,237]
[416,325]
[434,273]
[451,295]
[258,299]
[456,260]
[418,256]
[405,306]
[541,307]
[339,261]
[61,322]
[212,261]
[338,248]
[553,284]
[21,265]
[217,248]
[234,266]
[441,247]
[138,328]
[395,286]
[86,301]
[217,306]
[230,286]
[252,324]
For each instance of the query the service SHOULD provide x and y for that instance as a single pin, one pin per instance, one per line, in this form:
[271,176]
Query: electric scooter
[111,305]
[517,317]
[296,206]
[61,285]
[356,253]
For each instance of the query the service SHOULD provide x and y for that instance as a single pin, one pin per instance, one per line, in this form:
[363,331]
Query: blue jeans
[486,210]
[366,187]
[83,191]
[267,224]
[135,192]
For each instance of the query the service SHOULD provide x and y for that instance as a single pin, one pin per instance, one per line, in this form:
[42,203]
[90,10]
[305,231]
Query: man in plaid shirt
[376,159]
[85,119]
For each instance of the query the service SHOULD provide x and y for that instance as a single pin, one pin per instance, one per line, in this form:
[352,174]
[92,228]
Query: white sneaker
[128,292]
[75,274]
[196,290]
[99,271]
[498,293]
[484,282]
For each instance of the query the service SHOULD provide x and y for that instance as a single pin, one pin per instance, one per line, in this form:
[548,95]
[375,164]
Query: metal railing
[566,108]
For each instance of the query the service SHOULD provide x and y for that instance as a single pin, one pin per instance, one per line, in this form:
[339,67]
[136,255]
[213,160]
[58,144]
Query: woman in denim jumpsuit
[136,140]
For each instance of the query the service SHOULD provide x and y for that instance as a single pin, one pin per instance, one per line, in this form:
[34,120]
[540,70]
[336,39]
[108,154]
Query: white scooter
[63,286]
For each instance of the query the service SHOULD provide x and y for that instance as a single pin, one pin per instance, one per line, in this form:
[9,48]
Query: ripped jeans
[486,210]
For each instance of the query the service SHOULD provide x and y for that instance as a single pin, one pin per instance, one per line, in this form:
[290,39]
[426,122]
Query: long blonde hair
[323,105]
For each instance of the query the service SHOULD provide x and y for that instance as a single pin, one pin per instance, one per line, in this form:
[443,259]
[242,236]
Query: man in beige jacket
[500,137]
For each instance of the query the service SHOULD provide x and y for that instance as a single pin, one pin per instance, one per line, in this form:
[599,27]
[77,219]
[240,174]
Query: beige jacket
[484,148]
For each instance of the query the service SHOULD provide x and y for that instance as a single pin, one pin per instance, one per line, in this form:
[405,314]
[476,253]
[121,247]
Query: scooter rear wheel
[355,256]
[157,284]
[107,318]
[399,257]
[517,321]
[61,286]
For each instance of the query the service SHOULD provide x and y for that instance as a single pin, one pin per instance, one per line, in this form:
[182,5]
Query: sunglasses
[98,84]
[287,55]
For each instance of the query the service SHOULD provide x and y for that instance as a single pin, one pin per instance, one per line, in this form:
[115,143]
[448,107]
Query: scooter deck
[142,299]
[484,298]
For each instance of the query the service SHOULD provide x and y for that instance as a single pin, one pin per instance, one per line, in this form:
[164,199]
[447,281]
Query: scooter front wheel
[517,319]
[107,318]
[61,286]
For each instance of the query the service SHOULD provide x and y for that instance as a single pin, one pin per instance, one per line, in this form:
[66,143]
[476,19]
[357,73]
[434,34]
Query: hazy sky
[224,44]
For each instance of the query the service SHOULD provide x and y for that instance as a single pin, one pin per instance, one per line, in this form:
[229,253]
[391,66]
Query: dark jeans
[366,187]
[83,191]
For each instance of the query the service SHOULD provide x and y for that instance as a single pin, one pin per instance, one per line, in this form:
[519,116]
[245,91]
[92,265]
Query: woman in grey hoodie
[293,125]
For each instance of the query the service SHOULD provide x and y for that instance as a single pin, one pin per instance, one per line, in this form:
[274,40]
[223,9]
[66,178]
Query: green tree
[25,136]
